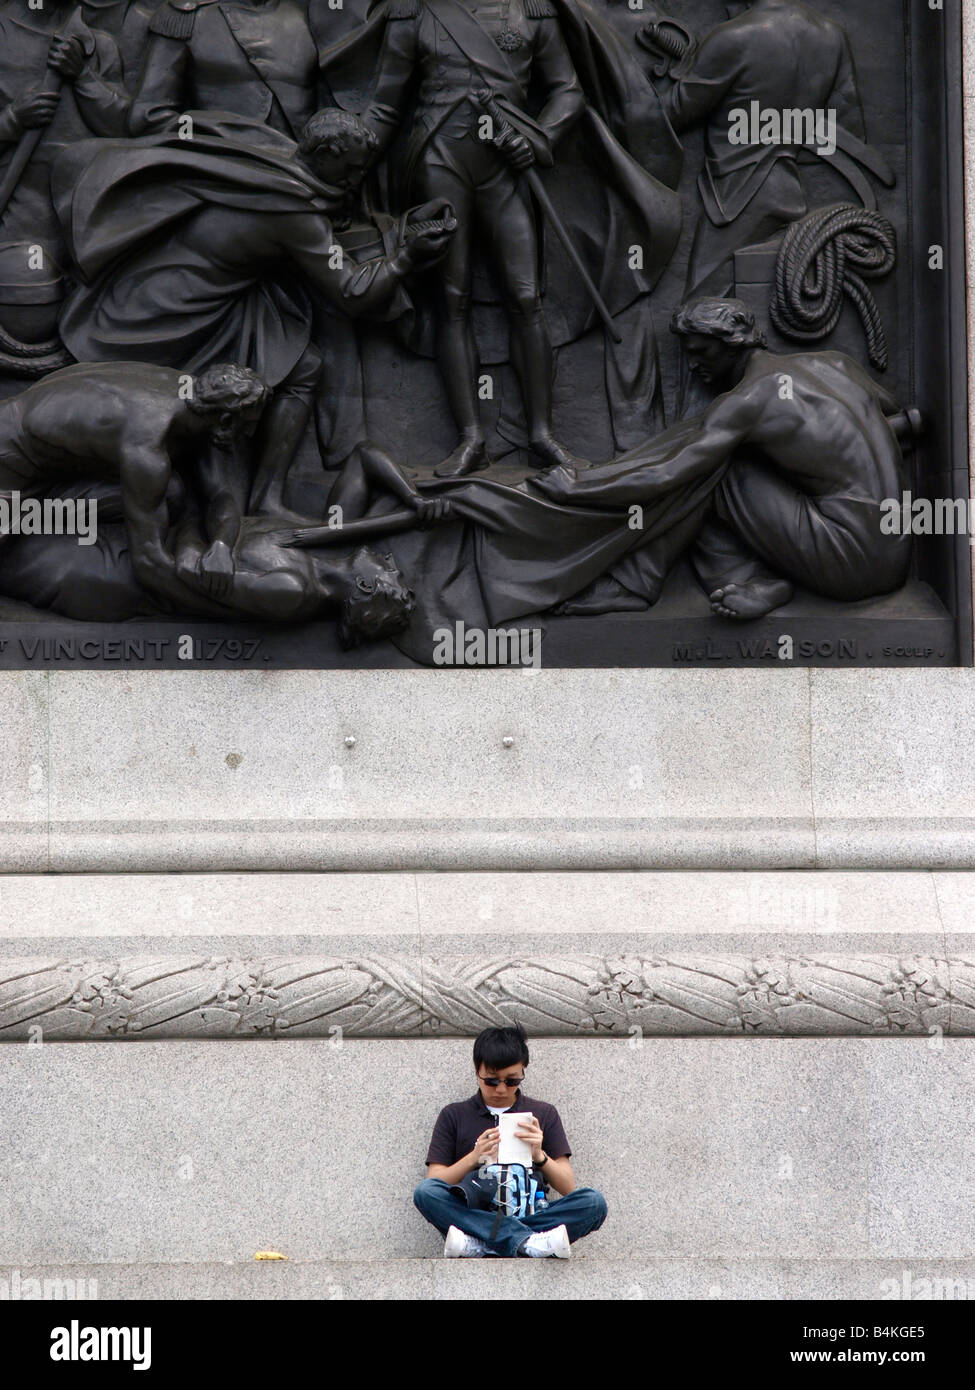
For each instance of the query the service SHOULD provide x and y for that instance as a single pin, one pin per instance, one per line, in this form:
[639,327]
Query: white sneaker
[459,1246]
[548,1243]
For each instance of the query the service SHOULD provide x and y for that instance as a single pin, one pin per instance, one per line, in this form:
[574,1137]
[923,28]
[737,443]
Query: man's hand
[486,1148]
[430,510]
[155,569]
[35,109]
[424,244]
[67,57]
[664,38]
[515,148]
[217,570]
[531,1131]
[188,566]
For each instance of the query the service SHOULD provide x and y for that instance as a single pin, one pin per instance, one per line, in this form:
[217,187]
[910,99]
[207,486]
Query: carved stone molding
[400,996]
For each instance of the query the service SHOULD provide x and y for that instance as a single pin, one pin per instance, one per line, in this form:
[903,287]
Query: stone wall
[706,1149]
[222,771]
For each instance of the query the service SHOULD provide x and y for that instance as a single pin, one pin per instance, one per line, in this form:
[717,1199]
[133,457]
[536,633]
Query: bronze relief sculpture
[326,332]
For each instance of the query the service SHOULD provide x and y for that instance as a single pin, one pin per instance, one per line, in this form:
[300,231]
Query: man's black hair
[228,386]
[501,1047]
[334,131]
[728,319]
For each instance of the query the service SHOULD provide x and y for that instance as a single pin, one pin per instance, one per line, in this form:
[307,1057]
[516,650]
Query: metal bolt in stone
[507,741]
[350,740]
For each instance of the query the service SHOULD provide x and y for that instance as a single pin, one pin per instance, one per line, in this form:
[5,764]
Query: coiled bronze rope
[829,253]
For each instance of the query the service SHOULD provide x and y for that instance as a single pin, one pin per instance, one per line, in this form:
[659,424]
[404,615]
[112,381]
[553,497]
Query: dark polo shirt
[460,1125]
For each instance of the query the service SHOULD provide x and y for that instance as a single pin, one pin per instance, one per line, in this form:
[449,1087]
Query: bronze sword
[502,124]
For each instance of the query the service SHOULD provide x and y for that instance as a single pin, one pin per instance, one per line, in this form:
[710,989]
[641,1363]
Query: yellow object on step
[269,1255]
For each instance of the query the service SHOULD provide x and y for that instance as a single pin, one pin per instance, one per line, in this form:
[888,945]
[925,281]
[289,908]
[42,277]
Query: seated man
[792,463]
[462,1145]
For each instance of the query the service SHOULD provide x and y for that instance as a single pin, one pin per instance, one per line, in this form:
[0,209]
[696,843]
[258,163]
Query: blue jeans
[580,1212]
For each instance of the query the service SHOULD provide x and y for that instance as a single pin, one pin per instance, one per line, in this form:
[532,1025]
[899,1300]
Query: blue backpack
[510,1189]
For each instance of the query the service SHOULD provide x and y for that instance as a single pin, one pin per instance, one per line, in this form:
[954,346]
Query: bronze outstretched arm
[365,528]
[370,472]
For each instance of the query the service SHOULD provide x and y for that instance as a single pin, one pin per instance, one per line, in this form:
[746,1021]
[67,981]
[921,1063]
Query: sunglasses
[497,1081]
